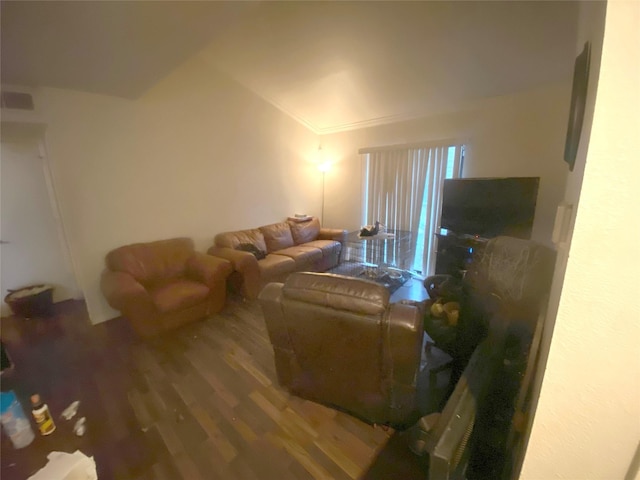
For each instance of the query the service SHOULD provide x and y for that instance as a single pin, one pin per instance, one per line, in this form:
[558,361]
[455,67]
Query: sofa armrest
[121,290]
[424,306]
[241,261]
[270,299]
[333,234]
[209,269]
[405,337]
[246,264]
[126,294]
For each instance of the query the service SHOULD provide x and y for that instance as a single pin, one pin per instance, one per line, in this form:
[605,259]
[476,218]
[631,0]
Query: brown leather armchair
[161,285]
[338,341]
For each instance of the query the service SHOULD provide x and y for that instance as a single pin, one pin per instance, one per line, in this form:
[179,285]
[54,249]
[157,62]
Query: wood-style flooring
[199,403]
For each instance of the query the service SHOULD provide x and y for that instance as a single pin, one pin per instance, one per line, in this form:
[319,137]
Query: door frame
[36,132]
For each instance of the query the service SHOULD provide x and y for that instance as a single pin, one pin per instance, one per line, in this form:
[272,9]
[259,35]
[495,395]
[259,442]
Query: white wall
[35,251]
[514,135]
[196,155]
[587,422]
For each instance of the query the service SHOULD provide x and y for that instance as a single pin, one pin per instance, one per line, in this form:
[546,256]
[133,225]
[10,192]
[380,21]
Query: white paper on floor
[67,466]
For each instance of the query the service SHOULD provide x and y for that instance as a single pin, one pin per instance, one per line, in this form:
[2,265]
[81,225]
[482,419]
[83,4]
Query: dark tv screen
[488,207]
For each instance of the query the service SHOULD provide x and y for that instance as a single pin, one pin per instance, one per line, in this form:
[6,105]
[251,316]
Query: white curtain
[396,189]
[433,205]
[396,180]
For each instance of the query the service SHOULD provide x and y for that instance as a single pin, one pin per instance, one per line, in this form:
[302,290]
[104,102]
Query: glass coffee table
[384,258]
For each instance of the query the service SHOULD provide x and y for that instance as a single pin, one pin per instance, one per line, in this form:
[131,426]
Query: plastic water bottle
[15,423]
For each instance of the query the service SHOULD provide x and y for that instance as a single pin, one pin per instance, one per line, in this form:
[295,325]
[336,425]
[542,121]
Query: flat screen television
[488,207]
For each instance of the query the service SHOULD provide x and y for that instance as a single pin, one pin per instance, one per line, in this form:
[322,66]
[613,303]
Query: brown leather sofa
[338,341]
[287,247]
[161,285]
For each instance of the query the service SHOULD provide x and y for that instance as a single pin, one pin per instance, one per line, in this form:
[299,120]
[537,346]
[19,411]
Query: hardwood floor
[200,403]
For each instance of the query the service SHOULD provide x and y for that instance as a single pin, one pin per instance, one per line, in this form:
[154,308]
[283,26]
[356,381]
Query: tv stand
[455,252]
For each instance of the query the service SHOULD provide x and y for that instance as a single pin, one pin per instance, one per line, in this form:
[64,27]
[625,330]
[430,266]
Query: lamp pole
[322,166]
[324,172]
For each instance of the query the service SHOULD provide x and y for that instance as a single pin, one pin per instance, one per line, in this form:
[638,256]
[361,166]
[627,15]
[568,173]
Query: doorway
[33,248]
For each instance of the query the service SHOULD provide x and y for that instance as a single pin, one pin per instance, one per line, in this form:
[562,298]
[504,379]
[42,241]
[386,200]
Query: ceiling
[331,65]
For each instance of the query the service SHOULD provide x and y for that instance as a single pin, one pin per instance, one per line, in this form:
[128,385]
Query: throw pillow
[250,247]
[303,232]
[277,236]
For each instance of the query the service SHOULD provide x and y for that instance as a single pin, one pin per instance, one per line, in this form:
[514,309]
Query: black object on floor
[32,301]
[5,361]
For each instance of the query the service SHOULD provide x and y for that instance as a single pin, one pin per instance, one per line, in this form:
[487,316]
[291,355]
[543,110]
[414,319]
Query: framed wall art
[578,100]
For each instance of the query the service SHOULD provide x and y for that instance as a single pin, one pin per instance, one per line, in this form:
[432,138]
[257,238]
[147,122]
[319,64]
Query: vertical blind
[404,192]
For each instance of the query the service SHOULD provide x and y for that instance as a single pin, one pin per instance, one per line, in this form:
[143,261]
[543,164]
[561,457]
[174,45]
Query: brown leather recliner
[161,285]
[338,341]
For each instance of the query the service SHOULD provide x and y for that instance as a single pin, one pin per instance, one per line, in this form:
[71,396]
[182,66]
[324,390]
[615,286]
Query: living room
[192,154]
[207,141]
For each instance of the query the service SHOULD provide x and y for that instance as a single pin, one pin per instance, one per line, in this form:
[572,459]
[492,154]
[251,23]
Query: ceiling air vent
[17,100]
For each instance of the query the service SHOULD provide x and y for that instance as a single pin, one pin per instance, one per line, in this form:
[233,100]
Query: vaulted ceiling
[331,65]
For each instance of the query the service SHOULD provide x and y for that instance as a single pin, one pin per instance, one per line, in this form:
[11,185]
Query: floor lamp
[322,211]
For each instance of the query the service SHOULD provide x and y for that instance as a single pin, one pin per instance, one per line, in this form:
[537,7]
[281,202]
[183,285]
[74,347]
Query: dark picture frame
[578,101]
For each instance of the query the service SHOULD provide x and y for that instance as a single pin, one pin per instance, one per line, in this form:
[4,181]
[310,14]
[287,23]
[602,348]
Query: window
[425,264]
[403,190]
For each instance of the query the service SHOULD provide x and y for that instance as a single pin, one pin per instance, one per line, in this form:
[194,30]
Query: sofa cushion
[303,232]
[303,255]
[275,265]
[233,239]
[153,261]
[178,294]
[330,253]
[277,236]
[327,247]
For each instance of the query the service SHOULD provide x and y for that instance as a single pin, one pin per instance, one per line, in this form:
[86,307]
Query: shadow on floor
[396,455]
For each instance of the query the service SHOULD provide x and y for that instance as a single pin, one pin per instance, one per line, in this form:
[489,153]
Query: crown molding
[367,123]
[375,122]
